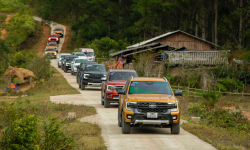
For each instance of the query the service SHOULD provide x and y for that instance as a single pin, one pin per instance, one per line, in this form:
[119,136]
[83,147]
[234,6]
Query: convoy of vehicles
[89,53]
[52,45]
[50,51]
[142,101]
[116,79]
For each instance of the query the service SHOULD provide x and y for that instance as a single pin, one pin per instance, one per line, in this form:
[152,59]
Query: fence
[195,91]
[197,57]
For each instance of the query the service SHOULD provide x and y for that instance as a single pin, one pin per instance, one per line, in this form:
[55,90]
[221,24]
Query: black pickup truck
[91,75]
[67,62]
[80,70]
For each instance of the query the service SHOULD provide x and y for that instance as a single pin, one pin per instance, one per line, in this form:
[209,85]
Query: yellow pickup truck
[59,31]
[148,102]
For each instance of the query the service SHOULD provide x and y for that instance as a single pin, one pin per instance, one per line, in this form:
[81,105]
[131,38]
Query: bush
[56,139]
[22,134]
[22,58]
[211,98]
[20,26]
[229,84]
[41,67]
[9,6]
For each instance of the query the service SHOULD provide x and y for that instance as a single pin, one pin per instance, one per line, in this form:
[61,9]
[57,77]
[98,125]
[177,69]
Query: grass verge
[87,136]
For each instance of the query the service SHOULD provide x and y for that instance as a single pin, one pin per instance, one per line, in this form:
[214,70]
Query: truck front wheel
[125,126]
[119,118]
[175,129]
[82,86]
[106,103]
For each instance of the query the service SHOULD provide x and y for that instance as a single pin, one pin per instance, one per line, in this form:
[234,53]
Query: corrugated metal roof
[167,34]
[158,47]
[131,49]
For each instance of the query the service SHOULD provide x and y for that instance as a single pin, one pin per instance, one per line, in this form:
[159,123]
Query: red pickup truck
[54,37]
[115,79]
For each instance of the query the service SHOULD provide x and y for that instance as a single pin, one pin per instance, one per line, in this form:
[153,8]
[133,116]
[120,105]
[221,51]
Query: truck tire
[65,70]
[82,86]
[119,118]
[79,84]
[125,126]
[102,102]
[175,128]
[71,72]
[76,79]
[106,103]
[59,66]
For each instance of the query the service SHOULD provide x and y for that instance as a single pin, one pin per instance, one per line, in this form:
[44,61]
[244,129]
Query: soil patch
[232,108]
[40,46]
[4,31]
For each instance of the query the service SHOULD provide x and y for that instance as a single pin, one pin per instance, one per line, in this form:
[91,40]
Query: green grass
[87,136]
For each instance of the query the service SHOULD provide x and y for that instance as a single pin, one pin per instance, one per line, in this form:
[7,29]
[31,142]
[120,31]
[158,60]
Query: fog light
[109,95]
[129,116]
[174,117]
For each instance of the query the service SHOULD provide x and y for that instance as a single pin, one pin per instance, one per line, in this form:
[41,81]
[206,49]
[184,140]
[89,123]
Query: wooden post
[188,88]
[195,90]
[178,86]
[97,60]
[243,90]
[219,90]
[9,81]
[30,81]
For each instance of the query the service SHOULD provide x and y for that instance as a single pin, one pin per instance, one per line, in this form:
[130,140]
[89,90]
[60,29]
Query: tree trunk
[120,19]
[196,24]
[241,20]
[161,24]
[203,22]
[215,21]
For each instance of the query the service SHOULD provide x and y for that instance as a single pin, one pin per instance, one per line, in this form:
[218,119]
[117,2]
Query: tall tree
[215,21]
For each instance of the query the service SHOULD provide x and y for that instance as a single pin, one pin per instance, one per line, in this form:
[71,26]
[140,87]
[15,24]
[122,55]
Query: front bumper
[112,97]
[90,83]
[67,67]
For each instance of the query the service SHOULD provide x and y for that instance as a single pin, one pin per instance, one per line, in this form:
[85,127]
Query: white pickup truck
[89,53]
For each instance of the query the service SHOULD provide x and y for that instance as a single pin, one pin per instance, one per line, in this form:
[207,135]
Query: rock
[71,116]
[195,119]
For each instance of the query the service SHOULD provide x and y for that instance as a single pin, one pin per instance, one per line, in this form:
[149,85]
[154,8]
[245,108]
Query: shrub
[230,84]
[41,67]
[22,134]
[211,98]
[56,139]
[22,58]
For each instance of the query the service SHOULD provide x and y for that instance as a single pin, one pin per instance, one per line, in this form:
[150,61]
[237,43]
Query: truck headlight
[104,75]
[57,39]
[86,76]
[67,64]
[175,107]
[110,88]
[49,39]
[129,105]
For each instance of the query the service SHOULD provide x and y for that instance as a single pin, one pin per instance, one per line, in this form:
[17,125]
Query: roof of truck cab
[148,79]
[121,70]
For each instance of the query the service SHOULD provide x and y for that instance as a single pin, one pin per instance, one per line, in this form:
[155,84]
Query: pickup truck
[67,62]
[116,79]
[89,53]
[76,62]
[59,31]
[80,71]
[91,75]
[148,102]
[50,51]
[54,37]
[61,56]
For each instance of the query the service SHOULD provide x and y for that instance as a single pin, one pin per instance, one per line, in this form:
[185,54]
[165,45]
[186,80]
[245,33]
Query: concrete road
[140,138]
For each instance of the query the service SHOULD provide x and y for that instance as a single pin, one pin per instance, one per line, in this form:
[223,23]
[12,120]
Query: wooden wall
[182,40]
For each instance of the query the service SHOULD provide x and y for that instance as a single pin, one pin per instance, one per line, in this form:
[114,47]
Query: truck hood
[52,47]
[117,82]
[152,98]
[94,72]
[53,37]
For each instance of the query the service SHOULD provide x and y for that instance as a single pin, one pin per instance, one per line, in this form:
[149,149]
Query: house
[180,39]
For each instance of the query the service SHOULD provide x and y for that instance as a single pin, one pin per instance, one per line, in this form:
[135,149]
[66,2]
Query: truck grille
[118,87]
[160,107]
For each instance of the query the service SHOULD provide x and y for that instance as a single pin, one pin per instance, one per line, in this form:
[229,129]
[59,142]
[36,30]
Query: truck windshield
[81,54]
[53,35]
[121,75]
[58,29]
[89,54]
[50,50]
[95,68]
[81,60]
[70,58]
[149,87]
[52,44]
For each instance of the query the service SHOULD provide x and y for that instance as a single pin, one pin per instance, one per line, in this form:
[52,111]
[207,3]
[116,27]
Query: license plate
[152,115]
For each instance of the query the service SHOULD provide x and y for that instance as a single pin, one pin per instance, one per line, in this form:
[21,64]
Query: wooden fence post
[243,90]
[188,88]
[178,86]
[219,90]
[195,90]
[30,81]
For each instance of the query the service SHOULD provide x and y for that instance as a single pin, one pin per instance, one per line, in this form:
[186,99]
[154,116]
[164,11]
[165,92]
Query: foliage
[55,138]
[229,84]
[10,6]
[22,134]
[211,98]
[20,26]
[245,56]
[22,58]
[143,64]
[105,46]
[41,67]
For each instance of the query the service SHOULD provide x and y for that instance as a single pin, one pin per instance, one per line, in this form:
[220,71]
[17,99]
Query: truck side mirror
[178,93]
[121,91]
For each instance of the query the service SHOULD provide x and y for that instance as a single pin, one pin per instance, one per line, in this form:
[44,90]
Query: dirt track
[140,138]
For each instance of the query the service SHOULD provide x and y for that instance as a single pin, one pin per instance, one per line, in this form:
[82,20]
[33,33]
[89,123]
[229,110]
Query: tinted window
[81,54]
[58,29]
[81,60]
[121,75]
[50,50]
[149,87]
[53,35]
[52,45]
[89,54]
[70,58]
[95,68]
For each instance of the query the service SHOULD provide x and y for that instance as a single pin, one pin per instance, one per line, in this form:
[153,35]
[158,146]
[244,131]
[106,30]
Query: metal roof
[158,47]
[131,49]
[167,34]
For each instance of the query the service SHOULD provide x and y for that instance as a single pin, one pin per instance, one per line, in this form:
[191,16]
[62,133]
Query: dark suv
[116,79]
[67,62]
[80,70]
[92,75]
